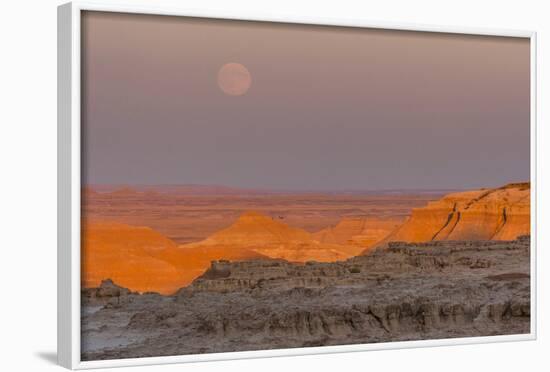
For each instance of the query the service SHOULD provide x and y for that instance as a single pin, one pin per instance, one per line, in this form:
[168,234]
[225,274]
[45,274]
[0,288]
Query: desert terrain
[408,291]
[160,239]
[178,270]
[188,214]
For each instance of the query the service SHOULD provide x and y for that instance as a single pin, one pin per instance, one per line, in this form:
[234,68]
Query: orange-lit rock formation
[126,254]
[363,232]
[143,260]
[488,214]
[255,229]
[275,239]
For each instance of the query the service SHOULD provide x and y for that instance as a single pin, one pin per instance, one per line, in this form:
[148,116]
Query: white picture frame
[69,187]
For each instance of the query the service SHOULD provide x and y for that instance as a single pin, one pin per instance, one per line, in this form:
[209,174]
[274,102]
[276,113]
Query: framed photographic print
[238,186]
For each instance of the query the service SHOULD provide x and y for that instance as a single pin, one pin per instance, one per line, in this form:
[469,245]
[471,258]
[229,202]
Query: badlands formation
[359,231]
[188,214]
[487,214]
[144,260]
[275,239]
[458,267]
[406,291]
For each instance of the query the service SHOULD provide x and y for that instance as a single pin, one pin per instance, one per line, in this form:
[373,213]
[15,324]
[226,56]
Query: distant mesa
[179,189]
[124,191]
[89,191]
[206,190]
[109,191]
[487,214]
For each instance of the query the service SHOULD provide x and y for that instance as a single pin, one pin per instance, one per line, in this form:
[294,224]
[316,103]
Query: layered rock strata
[407,291]
[488,214]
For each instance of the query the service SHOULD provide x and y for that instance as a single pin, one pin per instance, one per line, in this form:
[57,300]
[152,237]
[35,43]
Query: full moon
[234,79]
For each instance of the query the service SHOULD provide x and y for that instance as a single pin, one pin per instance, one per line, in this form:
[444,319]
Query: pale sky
[328,108]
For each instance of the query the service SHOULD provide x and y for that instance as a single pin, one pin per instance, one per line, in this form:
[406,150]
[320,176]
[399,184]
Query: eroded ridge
[406,291]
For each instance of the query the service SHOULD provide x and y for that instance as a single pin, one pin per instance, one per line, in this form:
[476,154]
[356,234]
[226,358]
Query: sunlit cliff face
[487,214]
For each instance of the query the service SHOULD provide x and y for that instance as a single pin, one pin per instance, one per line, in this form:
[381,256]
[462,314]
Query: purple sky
[328,109]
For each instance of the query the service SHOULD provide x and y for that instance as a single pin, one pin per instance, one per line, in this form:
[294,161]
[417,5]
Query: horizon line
[244,189]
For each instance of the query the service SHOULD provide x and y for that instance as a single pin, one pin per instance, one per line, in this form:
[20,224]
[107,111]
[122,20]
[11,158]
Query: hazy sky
[328,108]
